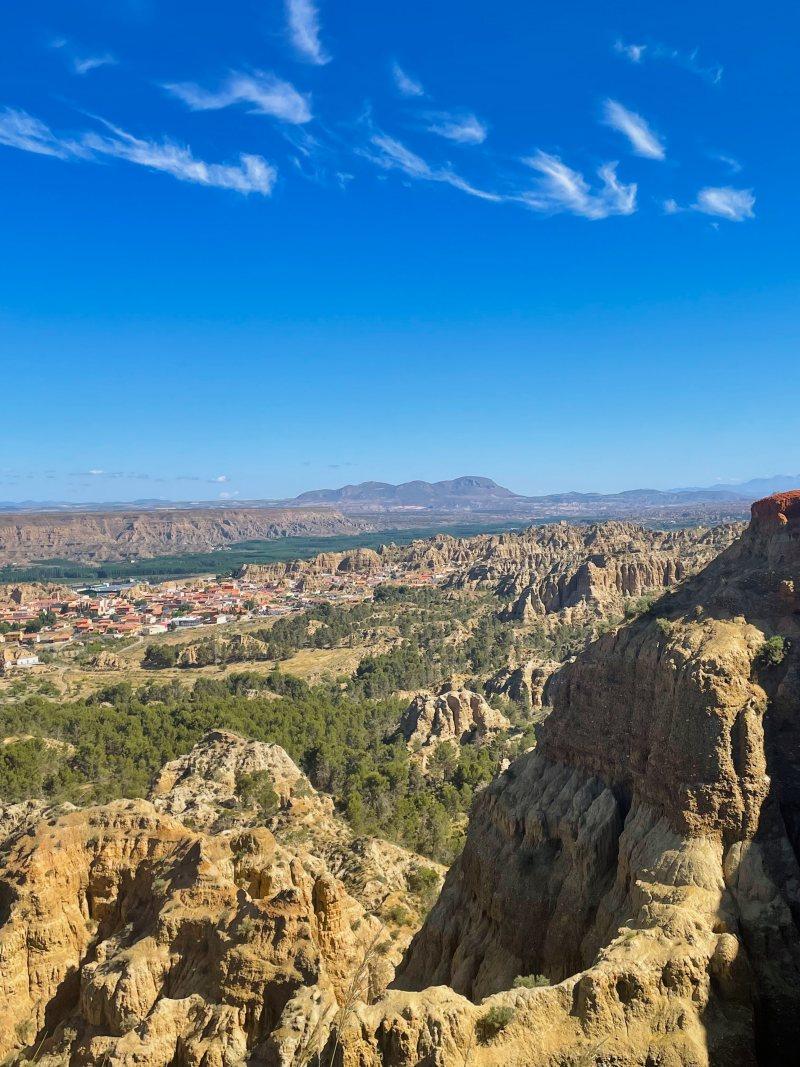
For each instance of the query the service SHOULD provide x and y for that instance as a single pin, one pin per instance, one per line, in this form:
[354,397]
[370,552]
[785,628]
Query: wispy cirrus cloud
[725,202]
[406,85]
[733,165]
[252,174]
[642,139]
[719,201]
[562,189]
[391,154]
[558,190]
[689,60]
[138,476]
[463,128]
[20,130]
[265,93]
[83,64]
[302,18]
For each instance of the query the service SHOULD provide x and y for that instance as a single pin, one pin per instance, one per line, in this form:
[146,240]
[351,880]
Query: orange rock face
[779,509]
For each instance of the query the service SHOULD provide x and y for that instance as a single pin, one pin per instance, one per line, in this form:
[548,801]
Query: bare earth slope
[114,535]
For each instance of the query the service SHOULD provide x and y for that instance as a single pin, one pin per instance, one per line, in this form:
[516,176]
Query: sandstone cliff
[644,858]
[548,569]
[115,535]
[525,684]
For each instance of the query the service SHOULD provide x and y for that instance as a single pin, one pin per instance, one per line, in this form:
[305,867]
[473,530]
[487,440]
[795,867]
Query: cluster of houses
[35,618]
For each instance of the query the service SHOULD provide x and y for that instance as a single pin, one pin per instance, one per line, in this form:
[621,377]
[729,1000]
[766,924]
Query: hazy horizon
[233,499]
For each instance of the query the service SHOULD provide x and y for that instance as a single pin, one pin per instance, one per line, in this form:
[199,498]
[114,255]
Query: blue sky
[280,245]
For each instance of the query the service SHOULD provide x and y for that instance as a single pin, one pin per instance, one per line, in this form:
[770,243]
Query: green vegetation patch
[493,1023]
[121,737]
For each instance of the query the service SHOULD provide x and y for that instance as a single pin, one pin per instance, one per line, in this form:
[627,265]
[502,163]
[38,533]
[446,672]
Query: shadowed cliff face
[651,841]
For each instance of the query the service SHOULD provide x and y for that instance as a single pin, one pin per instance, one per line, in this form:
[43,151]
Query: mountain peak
[470,491]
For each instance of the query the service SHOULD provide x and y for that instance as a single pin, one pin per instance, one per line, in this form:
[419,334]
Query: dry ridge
[117,535]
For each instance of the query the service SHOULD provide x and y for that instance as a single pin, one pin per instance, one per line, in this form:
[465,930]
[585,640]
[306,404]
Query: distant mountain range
[474,493]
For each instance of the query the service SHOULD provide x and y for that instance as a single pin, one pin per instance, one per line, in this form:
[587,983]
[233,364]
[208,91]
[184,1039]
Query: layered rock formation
[142,932]
[204,790]
[457,715]
[525,684]
[352,561]
[549,569]
[645,857]
[540,570]
[117,535]
[128,939]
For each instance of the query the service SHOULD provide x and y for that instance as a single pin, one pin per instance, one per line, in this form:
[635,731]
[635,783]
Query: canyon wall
[644,859]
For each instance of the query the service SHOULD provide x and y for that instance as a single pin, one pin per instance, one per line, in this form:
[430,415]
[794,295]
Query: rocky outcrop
[601,566]
[14,596]
[457,715]
[353,561]
[203,787]
[117,535]
[105,661]
[644,857]
[204,790]
[182,929]
[525,684]
[235,648]
[128,939]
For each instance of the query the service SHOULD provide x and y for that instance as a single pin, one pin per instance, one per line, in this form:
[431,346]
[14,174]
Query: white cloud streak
[461,128]
[643,141]
[559,189]
[637,53]
[303,20]
[20,130]
[252,174]
[733,165]
[562,189]
[406,85]
[724,202]
[391,154]
[267,95]
[82,65]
